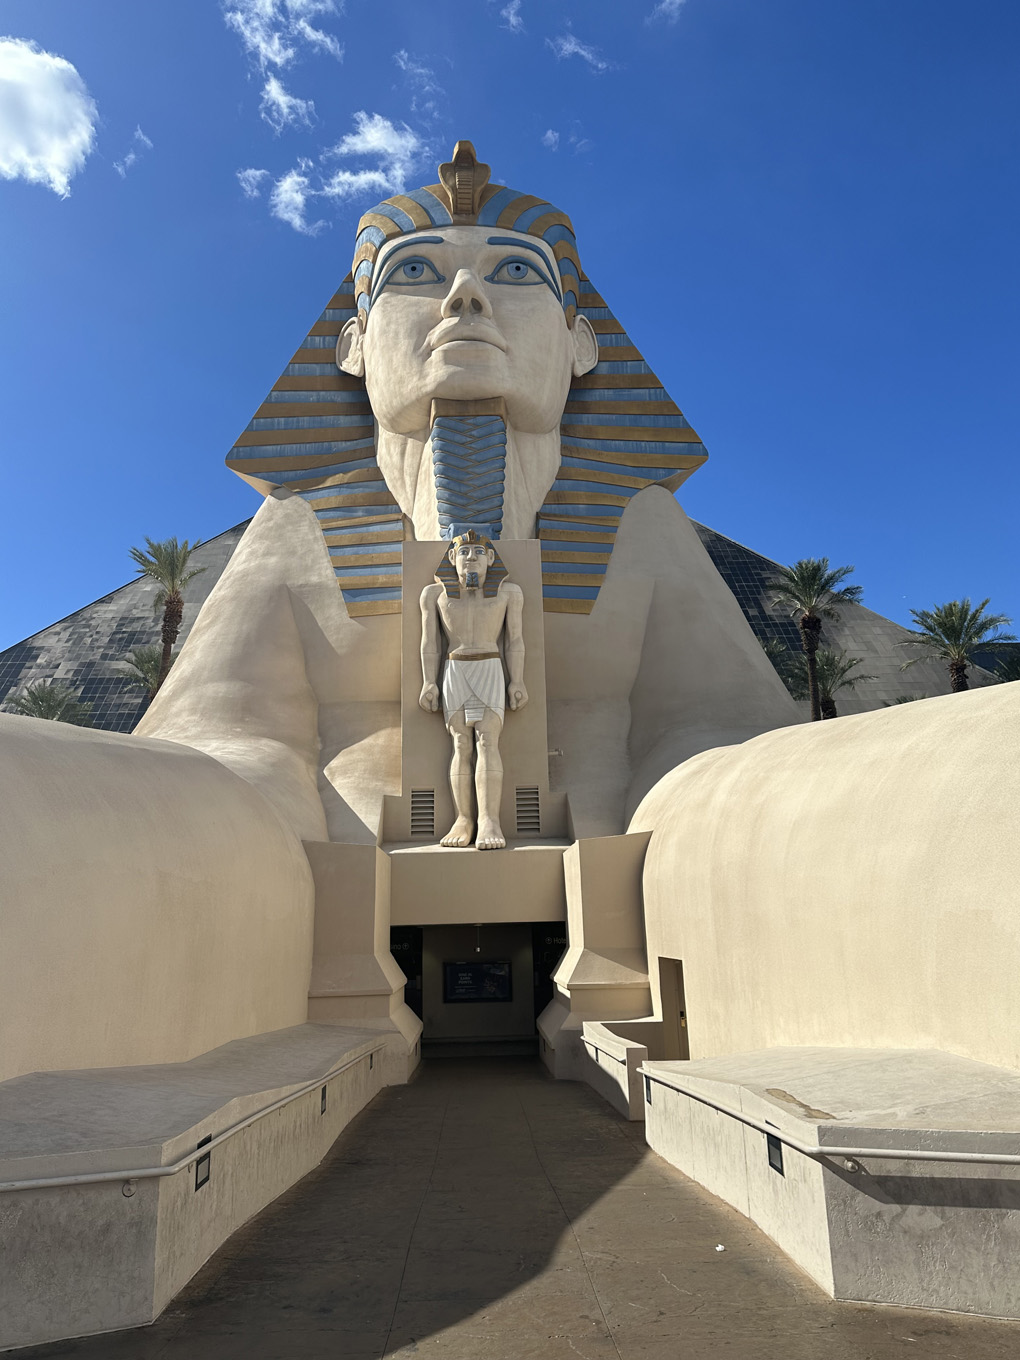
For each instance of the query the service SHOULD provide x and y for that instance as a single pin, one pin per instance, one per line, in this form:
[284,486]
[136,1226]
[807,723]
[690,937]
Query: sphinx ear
[586,346]
[349,354]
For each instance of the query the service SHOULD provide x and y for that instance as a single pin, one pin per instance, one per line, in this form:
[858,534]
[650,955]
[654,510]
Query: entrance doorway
[478,989]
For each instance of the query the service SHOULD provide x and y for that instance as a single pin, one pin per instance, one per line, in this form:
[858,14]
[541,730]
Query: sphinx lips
[454,331]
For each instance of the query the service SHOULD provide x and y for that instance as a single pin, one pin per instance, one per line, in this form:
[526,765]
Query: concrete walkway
[486,1212]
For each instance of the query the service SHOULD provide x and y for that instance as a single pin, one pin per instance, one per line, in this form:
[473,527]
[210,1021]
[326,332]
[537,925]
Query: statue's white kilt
[474,686]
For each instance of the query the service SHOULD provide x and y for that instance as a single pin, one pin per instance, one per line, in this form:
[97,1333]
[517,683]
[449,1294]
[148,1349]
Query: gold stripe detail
[588,558]
[617,380]
[281,409]
[610,521]
[367,583]
[334,527]
[341,502]
[577,536]
[606,353]
[320,382]
[552,605]
[327,327]
[366,559]
[414,210]
[337,540]
[565,578]
[652,434]
[603,326]
[515,207]
[585,498]
[572,474]
[327,434]
[296,462]
[361,609]
[578,406]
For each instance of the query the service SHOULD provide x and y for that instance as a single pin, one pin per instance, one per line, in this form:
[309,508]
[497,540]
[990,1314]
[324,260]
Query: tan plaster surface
[848,883]
[487,1211]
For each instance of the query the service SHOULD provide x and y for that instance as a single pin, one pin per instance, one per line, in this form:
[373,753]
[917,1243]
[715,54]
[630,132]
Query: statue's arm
[430,648]
[516,691]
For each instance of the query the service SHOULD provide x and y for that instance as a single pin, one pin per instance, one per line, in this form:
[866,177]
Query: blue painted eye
[416,270]
[515,271]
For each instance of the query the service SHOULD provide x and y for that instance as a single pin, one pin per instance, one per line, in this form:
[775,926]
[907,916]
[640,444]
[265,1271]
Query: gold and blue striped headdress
[315,433]
[466,198]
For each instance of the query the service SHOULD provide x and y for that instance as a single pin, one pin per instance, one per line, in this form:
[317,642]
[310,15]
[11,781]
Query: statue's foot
[461,833]
[489,835]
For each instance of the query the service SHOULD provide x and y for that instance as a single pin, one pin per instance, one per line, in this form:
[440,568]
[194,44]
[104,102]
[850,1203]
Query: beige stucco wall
[854,882]
[153,905]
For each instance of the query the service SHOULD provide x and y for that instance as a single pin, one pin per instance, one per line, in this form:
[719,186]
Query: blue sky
[804,213]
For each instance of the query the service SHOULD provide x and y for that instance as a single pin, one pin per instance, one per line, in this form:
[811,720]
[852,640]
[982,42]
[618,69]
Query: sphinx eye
[515,271]
[415,270]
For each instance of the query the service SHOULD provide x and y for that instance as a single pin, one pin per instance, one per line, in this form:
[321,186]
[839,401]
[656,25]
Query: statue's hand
[518,696]
[429,698]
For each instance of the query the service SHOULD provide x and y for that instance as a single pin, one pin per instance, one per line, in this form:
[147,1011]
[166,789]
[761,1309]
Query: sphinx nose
[466,296]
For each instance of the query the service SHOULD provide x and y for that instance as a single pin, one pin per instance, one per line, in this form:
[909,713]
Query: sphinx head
[466,292]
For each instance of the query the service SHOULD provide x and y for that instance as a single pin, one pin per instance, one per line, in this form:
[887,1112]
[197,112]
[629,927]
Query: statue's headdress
[446,572]
[315,433]
[466,198]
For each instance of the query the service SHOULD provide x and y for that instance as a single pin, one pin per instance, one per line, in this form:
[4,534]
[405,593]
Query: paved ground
[486,1212]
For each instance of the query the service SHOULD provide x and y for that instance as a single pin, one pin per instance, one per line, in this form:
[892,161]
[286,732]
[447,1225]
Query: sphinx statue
[479,384]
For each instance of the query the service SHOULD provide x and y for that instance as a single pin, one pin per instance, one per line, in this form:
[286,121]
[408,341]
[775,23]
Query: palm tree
[144,665]
[53,700]
[834,673]
[811,590]
[953,632]
[166,563]
[1008,667]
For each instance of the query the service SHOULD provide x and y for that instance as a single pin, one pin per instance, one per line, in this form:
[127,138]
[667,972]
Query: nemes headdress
[464,197]
[315,433]
[446,572]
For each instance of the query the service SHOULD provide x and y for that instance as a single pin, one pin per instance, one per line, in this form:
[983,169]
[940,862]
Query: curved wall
[853,882]
[153,905]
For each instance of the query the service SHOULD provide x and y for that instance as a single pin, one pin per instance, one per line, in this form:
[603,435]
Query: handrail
[599,1049]
[143,1173]
[852,1155]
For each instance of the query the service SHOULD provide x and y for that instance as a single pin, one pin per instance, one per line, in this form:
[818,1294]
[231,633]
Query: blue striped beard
[469,466]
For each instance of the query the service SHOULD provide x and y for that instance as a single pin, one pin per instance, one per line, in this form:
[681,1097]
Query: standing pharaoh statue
[473,606]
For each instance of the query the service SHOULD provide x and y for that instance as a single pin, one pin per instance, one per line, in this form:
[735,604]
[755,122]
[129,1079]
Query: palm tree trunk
[828,707]
[810,636]
[173,613]
[958,676]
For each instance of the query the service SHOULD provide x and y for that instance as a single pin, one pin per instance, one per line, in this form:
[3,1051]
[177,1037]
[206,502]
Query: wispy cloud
[289,198]
[569,46]
[576,141]
[668,10]
[279,108]
[251,181]
[426,91]
[512,14]
[393,152]
[273,31]
[139,145]
[47,117]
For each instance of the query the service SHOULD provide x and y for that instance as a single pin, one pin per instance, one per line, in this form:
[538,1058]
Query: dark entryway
[478,989]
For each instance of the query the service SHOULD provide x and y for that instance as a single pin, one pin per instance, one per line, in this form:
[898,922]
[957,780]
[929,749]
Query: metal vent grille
[529,817]
[423,812]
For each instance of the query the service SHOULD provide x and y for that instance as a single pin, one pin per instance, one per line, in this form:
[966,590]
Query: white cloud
[279,108]
[394,150]
[273,30]
[251,182]
[289,199]
[512,14]
[551,139]
[47,117]
[139,144]
[569,46]
[666,9]
[426,90]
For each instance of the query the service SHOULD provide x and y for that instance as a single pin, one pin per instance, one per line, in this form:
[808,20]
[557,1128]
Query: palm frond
[810,587]
[53,700]
[835,672]
[166,563]
[954,631]
[143,666]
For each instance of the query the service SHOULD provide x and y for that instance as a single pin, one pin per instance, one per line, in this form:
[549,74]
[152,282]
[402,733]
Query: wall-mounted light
[203,1166]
